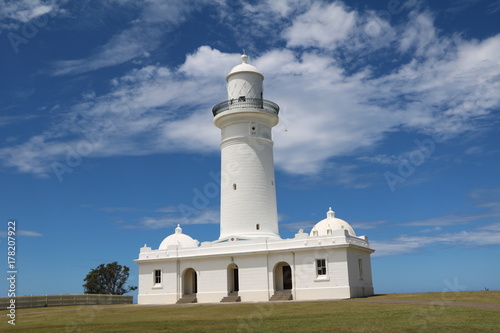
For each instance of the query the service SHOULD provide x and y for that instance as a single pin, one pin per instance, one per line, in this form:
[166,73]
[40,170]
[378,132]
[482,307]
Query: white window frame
[323,267]
[157,279]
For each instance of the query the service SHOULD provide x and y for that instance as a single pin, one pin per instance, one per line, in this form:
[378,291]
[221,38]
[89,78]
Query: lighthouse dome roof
[178,239]
[327,226]
[244,67]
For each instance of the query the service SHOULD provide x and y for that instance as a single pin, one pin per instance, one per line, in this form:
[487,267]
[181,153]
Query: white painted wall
[248,84]
[360,285]
[248,186]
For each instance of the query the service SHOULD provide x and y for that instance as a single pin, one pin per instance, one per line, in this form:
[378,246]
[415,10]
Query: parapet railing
[242,103]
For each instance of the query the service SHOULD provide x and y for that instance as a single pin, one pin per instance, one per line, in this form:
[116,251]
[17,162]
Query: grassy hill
[332,316]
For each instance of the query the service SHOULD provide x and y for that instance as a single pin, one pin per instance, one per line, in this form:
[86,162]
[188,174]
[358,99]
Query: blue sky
[389,114]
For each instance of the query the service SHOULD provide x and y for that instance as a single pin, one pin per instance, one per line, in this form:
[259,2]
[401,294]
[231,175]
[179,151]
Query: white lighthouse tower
[248,190]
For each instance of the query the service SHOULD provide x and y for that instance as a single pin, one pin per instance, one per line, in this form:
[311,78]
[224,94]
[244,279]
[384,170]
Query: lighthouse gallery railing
[246,103]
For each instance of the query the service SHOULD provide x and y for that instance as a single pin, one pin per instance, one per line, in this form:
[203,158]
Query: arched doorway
[233,283]
[282,276]
[189,282]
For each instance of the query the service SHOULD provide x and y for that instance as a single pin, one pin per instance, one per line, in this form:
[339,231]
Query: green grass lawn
[336,316]
[491,296]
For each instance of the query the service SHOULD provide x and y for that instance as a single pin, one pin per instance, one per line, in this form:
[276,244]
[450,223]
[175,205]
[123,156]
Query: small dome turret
[331,223]
[178,239]
[244,67]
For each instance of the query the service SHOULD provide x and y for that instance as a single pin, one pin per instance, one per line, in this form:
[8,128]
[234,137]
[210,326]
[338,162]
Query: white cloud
[208,62]
[405,244]
[485,199]
[368,225]
[333,115]
[491,227]
[433,229]
[483,229]
[381,159]
[475,150]
[286,7]
[205,216]
[296,226]
[493,7]
[156,18]
[117,209]
[442,221]
[27,233]
[8,120]
[323,25]
[329,117]
[393,248]
[419,34]
[123,47]
[15,13]
[148,111]
[439,94]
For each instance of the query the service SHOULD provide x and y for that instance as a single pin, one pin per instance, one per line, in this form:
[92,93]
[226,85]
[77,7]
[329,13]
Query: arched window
[257,226]
[360,268]
[234,187]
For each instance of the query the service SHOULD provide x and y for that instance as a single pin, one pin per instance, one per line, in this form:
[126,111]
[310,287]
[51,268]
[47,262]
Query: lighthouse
[248,187]
[250,262]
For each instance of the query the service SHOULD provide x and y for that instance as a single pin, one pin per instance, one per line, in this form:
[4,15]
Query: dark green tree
[107,279]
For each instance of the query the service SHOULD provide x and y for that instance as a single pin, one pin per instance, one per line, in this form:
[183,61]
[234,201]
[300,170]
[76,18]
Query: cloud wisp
[481,229]
[156,18]
[409,244]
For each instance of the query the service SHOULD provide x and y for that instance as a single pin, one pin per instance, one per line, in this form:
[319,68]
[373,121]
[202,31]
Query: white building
[250,261]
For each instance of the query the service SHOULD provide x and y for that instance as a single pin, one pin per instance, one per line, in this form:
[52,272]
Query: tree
[107,279]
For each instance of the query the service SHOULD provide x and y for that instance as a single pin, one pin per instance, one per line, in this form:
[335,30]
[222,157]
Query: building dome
[178,239]
[244,67]
[331,223]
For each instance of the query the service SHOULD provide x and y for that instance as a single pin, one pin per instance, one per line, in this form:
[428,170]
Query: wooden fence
[64,300]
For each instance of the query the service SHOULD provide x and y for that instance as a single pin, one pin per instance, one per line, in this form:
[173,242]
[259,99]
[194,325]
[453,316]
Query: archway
[233,283]
[282,276]
[189,282]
